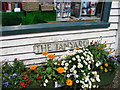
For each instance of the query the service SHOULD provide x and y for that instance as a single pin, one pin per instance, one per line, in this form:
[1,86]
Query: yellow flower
[60,70]
[101,67]
[106,64]
[113,55]
[51,56]
[33,67]
[44,53]
[106,70]
[69,82]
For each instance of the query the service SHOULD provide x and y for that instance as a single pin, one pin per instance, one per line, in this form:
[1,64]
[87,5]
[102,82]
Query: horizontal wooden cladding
[113,26]
[114,19]
[31,41]
[29,48]
[115,12]
[46,34]
[115,4]
[31,58]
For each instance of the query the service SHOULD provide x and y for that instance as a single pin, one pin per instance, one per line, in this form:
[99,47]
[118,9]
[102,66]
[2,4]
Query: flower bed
[85,67]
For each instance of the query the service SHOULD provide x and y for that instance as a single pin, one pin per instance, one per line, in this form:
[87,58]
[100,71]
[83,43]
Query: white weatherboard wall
[21,46]
[115,22]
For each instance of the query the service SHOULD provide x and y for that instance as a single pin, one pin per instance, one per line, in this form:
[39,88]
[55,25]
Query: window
[76,11]
[45,16]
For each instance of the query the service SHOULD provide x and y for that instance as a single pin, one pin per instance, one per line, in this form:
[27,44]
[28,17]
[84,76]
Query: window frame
[64,26]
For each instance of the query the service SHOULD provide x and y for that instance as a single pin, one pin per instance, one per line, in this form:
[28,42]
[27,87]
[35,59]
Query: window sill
[50,27]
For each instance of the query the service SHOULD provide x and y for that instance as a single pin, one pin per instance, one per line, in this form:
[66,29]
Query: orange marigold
[106,64]
[109,52]
[60,70]
[33,67]
[111,49]
[106,70]
[44,53]
[51,56]
[69,82]
[77,48]
[105,44]
[99,47]
[101,67]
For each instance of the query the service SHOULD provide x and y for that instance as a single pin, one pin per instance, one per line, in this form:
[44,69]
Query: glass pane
[83,10]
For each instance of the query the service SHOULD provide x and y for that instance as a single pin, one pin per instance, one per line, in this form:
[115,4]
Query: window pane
[15,13]
[83,10]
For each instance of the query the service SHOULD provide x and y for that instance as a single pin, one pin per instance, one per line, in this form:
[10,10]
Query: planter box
[106,79]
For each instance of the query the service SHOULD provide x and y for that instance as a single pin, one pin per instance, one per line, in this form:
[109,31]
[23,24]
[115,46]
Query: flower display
[77,68]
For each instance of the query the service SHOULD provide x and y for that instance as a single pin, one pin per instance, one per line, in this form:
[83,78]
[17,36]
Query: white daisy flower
[94,73]
[74,66]
[86,79]
[79,60]
[86,85]
[89,67]
[84,54]
[82,82]
[85,62]
[73,59]
[80,65]
[82,57]
[82,71]
[97,78]
[77,81]
[87,58]
[46,81]
[66,64]
[55,63]
[92,79]
[98,63]
[70,61]
[62,64]
[44,84]
[80,51]
[83,86]
[71,70]
[89,61]
[66,68]
[77,56]
[97,86]
[94,86]
[76,76]
[91,58]
[68,75]
[74,71]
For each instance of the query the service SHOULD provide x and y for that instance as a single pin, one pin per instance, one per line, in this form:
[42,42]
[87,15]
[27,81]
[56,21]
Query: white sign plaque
[59,46]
